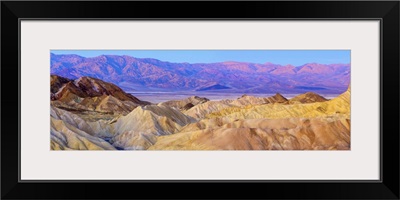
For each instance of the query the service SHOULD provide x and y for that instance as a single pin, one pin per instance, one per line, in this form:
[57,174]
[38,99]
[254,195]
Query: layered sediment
[90,114]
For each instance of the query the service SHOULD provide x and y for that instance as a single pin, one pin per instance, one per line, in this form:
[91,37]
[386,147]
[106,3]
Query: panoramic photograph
[200,100]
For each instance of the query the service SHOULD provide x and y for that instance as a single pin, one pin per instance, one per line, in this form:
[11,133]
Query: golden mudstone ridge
[65,136]
[252,100]
[338,105]
[185,104]
[318,126]
[309,97]
[138,129]
[264,134]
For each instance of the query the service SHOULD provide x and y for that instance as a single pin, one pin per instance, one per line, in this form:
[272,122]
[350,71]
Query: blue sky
[283,57]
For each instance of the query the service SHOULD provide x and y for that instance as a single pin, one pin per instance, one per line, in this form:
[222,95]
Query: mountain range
[147,74]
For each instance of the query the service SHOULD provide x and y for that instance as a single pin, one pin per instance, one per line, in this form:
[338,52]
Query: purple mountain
[150,74]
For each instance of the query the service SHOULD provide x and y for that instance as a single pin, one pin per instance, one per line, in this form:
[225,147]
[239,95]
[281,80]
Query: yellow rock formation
[313,126]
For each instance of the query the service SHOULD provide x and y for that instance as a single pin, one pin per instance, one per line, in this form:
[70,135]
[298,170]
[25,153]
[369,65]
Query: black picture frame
[386,11]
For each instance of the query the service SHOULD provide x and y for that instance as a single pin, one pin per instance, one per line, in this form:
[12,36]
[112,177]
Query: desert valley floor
[91,114]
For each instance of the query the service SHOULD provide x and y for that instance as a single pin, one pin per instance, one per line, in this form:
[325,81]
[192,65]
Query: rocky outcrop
[91,94]
[309,97]
[83,87]
[251,100]
[201,110]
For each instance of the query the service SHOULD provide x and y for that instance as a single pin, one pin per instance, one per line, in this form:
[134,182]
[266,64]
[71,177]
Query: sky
[282,57]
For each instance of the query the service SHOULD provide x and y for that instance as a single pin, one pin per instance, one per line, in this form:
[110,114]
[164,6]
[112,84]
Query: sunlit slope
[319,126]
[185,104]
[308,97]
[64,136]
[70,132]
[264,134]
[246,100]
[338,105]
[200,111]
[139,129]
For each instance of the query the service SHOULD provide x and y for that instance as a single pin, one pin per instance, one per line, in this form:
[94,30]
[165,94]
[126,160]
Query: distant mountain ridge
[141,74]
